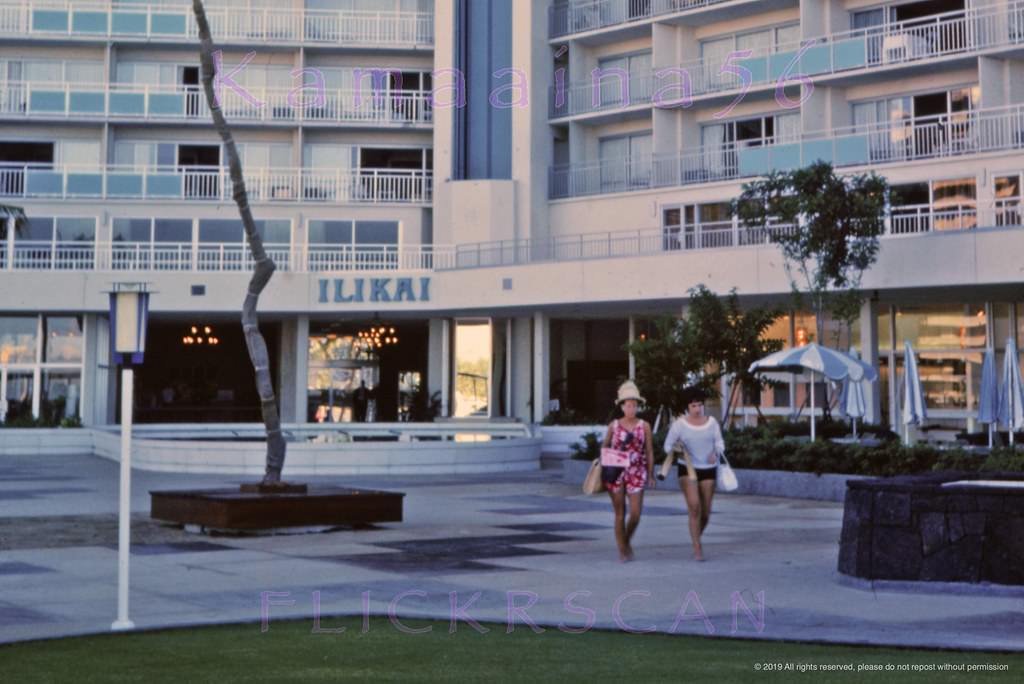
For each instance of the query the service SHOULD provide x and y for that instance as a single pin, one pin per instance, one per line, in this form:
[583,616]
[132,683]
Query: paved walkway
[464,537]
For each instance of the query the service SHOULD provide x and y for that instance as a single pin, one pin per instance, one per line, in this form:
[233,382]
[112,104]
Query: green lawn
[289,651]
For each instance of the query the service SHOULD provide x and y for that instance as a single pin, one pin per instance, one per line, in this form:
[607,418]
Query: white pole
[124,513]
[812,406]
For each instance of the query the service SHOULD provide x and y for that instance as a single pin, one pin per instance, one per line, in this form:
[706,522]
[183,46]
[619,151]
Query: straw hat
[628,390]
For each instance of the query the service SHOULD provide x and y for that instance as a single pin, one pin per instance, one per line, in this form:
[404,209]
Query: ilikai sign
[355,290]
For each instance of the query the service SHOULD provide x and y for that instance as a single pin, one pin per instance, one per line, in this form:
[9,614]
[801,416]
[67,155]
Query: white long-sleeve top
[704,442]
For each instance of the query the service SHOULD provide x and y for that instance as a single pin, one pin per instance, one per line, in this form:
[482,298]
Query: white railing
[939,35]
[213,183]
[900,221]
[174,22]
[576,16]
[148,102]
[218,257]
[982,130]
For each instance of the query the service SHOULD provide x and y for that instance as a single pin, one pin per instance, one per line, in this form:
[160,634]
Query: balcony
[578,16]
[919,40]
[901,221]
[174,23]
[27,255]
[984,130]
[203,183]
[400,108]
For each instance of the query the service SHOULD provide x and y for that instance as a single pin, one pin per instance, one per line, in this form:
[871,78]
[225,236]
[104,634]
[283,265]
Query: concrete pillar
[438,368]
[90,371]
[294,365]
[632,338]
[992,81]
[541,362]
[522,390]
[869,353]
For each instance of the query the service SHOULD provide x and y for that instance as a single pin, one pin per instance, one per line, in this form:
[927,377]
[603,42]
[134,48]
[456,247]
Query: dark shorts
[702,473]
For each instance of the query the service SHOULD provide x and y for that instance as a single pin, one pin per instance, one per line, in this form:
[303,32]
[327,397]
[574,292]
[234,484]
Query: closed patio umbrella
[988,400]
[914,411]
[851,401]
[1011,395]
[833,364]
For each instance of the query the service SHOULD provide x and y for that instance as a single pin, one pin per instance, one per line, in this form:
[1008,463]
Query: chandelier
[200,335]
[378,335]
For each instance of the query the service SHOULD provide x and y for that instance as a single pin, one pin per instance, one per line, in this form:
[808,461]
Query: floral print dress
[634,476]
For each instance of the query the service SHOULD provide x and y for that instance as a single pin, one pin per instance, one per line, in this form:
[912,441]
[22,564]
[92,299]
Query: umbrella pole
[990,435]
[812,406]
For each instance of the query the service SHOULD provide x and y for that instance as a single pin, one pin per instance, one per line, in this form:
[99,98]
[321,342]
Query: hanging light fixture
[378,335]
[200,334]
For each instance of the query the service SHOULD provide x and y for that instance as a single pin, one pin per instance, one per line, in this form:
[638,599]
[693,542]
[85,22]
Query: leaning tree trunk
[264,268]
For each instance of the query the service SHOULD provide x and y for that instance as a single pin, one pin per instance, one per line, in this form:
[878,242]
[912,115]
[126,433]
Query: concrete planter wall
[558,438]
[50,441]
[826,487]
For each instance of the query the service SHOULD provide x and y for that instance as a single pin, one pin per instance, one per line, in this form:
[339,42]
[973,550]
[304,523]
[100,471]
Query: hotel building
[510,188]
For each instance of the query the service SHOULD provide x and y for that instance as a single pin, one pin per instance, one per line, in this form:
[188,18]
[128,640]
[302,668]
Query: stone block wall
[913,528]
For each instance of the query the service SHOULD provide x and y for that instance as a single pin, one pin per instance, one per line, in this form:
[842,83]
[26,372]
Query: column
[438,361]
[521,358]
[541,371]
[869,353]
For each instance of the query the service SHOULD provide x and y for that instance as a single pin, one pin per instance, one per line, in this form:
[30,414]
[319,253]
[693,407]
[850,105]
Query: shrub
[566,416]
[588,448]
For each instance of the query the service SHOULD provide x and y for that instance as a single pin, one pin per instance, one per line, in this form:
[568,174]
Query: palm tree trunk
[264,268]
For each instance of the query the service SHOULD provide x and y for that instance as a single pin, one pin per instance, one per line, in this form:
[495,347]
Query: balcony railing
[213,183]
[904,220]
[218,257]
[983,130]
[939,35]
[576,16]
[174,22]
[146,102]
[901,221]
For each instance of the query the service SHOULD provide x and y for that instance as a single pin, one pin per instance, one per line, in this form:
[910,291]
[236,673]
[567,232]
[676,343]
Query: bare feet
[698,554]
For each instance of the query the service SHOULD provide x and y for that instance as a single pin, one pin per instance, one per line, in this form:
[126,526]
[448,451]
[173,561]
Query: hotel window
[949,341]
[352,245]
[933,206]
[614,89]
[47,387]
[625,161]
[897,32]
[63,243]
[754,131]
[52,71]
[697,226]
[338,365]
[919,125]
[222,245]
[1008,200]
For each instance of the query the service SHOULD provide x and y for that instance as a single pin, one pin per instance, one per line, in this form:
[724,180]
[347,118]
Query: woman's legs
[636,507]
[707,492]
[693,513]
[618,497]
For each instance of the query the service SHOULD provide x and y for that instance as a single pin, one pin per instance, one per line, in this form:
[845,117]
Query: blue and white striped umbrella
[1011,395]
[833,364]
[914,411]
[988,399]
[852,402]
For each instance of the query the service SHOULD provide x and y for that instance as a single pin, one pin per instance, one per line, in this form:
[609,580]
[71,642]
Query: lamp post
[129,308]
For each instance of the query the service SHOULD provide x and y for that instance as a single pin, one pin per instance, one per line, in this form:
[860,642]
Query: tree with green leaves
[667,358]
[836,222]
[264,265]
[730,339]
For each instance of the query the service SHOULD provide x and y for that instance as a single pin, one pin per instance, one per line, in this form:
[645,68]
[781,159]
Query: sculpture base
[270,508]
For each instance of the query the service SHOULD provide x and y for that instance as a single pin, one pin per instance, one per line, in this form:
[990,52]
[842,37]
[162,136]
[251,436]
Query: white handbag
[727,481]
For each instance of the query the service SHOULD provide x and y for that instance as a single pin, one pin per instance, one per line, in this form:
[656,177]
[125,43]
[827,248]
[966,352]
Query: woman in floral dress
[633,436]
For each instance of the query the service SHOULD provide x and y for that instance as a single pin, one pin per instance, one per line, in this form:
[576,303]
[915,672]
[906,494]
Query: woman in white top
[701,437]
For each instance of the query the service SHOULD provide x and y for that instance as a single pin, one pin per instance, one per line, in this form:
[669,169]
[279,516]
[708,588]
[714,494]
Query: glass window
[39,229]
[472,368]
[1001,324]
[787,36]
[804,329]
[131,230]
[76,229]
[172,230]
[80,152]
[220,230]
[275,232]
[758,42]
[328,346]
[330,232]
[63,339]
[18,339]
[947,327]
[377,233]
[60,397]
[85,72]
[19,396]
